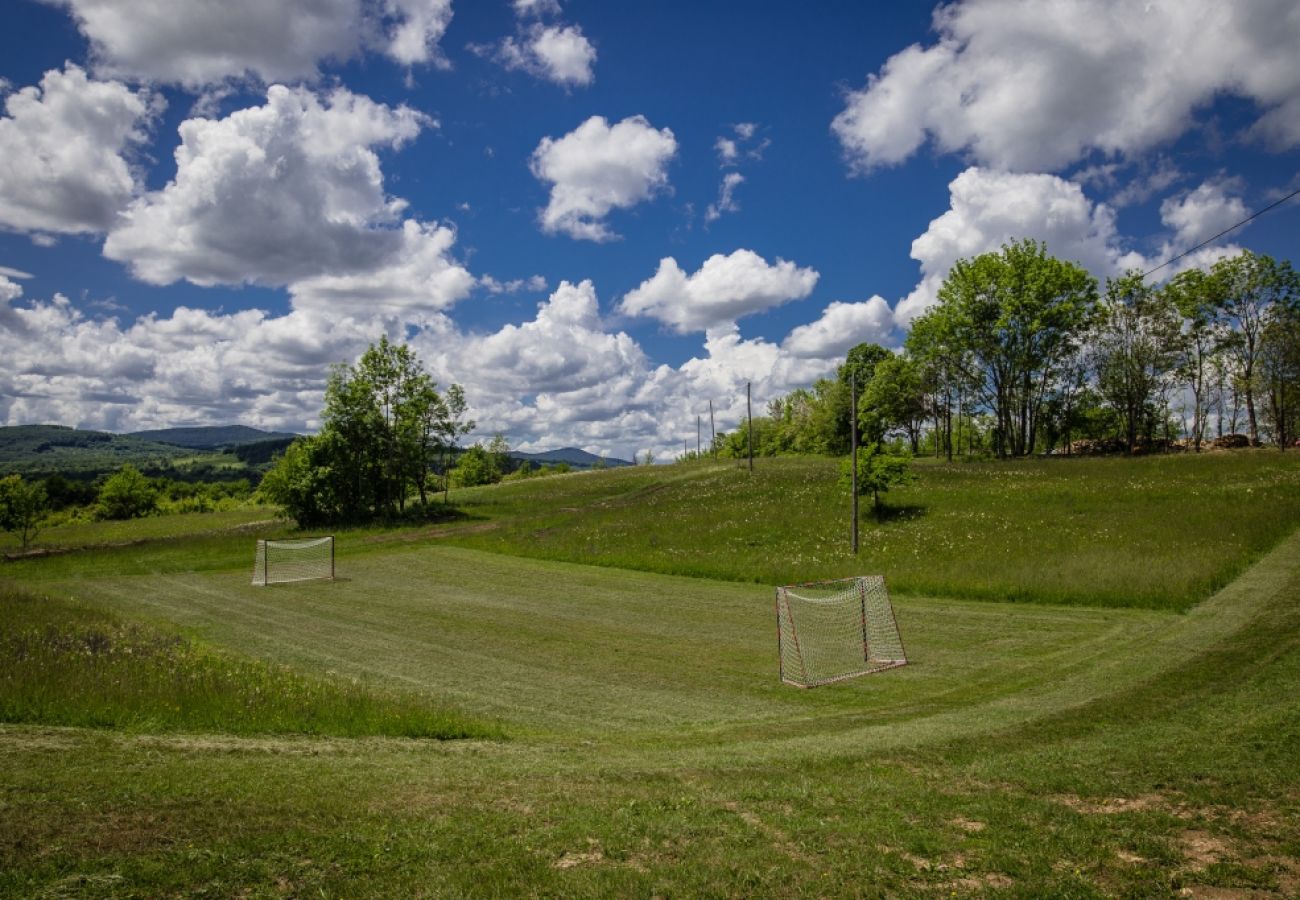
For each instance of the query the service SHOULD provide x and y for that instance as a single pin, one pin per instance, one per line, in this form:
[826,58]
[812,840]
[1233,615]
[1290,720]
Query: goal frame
[262,560]
[785,616]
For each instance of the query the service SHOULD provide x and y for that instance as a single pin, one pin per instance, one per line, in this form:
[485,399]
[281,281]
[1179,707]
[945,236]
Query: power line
[1222,233]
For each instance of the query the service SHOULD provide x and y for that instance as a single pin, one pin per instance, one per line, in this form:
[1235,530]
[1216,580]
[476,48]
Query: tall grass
[66,665]
[1156,532]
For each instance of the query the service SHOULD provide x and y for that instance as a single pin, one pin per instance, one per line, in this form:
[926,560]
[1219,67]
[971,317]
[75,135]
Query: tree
[499,455]
[23,508]
[1197,299]
[383,425]
[946,366]
[1018,313]
[126,495]
[878,471]
[1279,363]
[453,427]
[474,468]
[894,399]
[1251,287]
[1135,351]
[302,483]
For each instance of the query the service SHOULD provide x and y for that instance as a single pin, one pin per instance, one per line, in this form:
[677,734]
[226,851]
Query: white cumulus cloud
[197,43]
[65,147]
[273,194]
[726,197]
[1202,213]
[841,327]
[1033,86]
[597,168]
[988,209]
[558,53]
[723,290]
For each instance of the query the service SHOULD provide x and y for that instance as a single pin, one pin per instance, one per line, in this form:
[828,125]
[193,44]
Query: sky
[597,217]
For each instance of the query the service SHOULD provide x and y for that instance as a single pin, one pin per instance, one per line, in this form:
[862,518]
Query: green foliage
[878,471]
[37,451]
[475,466]
[23,506]
[1136,348]
[893,400]
[1018,313]
[384,427]
[67,665]
[126,495]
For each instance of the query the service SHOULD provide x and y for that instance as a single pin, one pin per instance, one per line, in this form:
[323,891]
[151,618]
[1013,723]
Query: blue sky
[597,217]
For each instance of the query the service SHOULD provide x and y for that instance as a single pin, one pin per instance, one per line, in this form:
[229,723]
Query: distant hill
[37,450]
[211,437]
[40,450]
[579,459]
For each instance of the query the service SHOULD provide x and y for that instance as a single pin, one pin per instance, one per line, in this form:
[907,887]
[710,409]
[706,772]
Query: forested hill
[211,437]
[219,453]
[49,449]
[579,459]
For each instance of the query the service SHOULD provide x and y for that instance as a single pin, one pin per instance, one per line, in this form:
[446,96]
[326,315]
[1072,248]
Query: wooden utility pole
[853,454]
[749,407]
[713,432]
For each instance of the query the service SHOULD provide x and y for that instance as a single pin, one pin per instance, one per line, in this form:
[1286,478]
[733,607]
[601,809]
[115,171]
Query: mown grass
[1028,749]
[1179,779]
[1156,532]
[64,664]
[78,535]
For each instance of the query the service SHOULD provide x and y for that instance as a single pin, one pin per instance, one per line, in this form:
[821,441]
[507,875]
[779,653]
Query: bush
[127,495]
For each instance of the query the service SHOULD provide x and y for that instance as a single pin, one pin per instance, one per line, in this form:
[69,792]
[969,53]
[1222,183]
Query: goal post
[828,631]
[305,559]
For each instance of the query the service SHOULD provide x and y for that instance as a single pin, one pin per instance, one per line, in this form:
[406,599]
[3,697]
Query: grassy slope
[1161,532]
[66,664]
[1030,749]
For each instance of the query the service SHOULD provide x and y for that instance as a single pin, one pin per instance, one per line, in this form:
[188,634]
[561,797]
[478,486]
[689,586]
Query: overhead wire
[1211,240]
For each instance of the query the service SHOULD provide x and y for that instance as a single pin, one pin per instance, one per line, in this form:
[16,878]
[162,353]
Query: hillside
[218,453]
[38,450]
[211,437]
[578,459]
[1159,532]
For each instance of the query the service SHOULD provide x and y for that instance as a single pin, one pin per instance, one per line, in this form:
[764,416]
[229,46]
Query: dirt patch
[971,826]
[1112,805]
[1131,858]
[1202,849]
[593,855]
[972,883]
[1206,892]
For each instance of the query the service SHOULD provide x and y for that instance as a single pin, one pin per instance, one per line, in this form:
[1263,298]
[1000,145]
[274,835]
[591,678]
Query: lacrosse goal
[301,560]
[831,630]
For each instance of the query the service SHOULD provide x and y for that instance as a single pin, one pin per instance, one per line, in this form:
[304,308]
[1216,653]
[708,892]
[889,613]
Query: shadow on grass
[905,513]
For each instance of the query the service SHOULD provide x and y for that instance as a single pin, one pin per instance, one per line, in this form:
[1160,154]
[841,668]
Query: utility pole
[853,453]
[749,407]
[697,435]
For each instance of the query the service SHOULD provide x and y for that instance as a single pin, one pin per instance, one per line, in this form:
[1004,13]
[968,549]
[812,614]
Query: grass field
[1159,532]
[645,746]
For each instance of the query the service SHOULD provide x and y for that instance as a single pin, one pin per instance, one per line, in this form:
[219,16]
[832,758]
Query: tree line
[1024,353]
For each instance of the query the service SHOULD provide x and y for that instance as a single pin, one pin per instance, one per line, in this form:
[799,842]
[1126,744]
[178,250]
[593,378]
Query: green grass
[1158,532]
[250,520]
[1029,749]
[63,664]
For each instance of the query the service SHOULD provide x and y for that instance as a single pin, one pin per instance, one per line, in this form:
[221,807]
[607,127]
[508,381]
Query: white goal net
[301,560]
[831,630]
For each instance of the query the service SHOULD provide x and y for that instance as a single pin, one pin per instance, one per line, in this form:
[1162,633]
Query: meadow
[1161,532]
[621,727]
